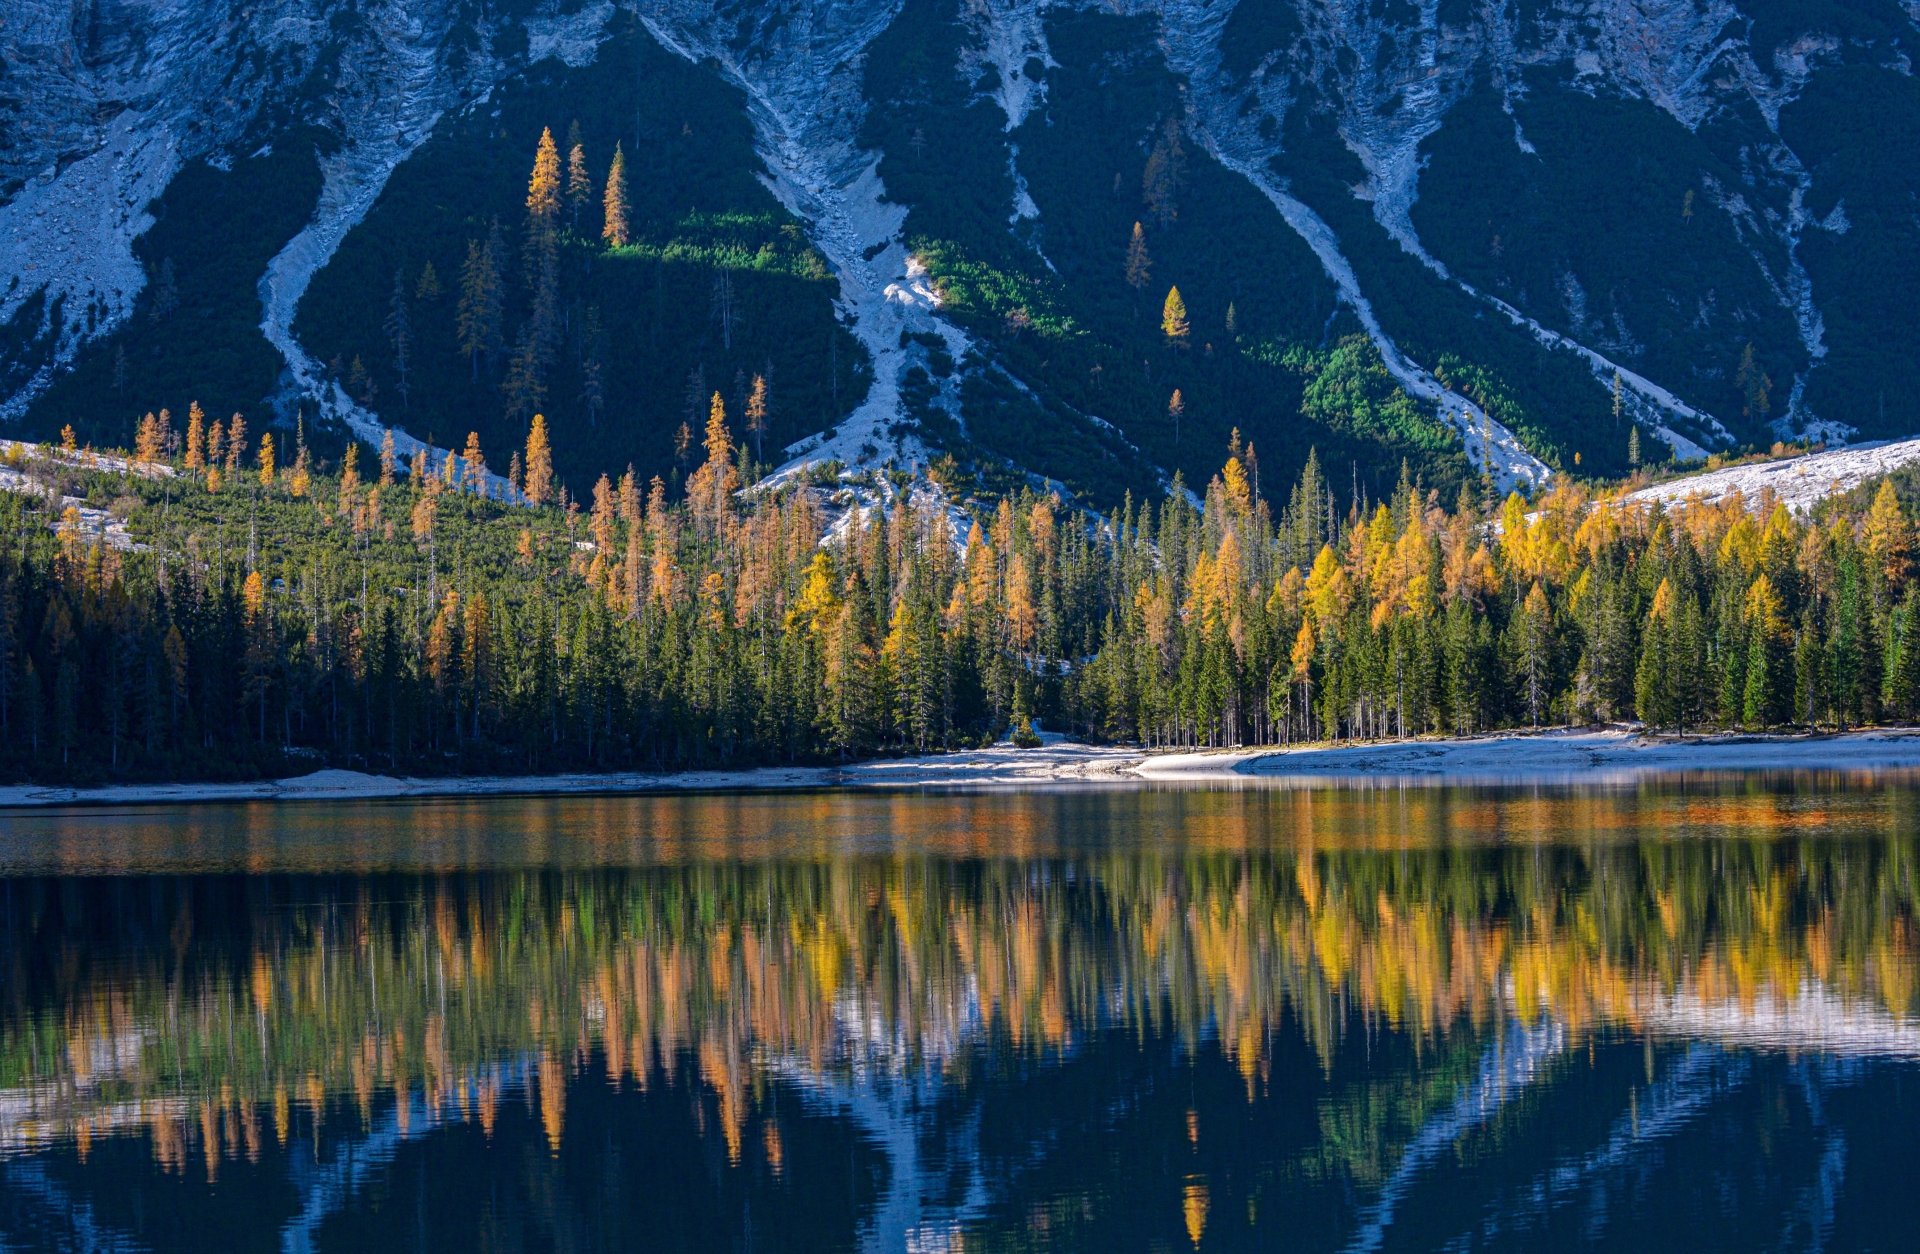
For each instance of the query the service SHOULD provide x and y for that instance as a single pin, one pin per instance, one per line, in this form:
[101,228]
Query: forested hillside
[216,603]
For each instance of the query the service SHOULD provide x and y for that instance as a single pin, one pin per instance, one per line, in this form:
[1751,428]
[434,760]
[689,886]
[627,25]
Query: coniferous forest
[212,604]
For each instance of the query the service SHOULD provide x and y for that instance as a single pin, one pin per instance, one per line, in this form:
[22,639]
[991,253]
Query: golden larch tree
[539,463]
[1173,319]
[196,458]
[579,183]
[236,443]
[1139,263]
[616,232]
[543,187]
[475,464]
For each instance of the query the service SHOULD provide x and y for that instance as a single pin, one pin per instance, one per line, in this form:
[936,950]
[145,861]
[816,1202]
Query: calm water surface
[1674,1016]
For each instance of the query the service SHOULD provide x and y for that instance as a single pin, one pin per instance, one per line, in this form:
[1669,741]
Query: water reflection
[1345,1019]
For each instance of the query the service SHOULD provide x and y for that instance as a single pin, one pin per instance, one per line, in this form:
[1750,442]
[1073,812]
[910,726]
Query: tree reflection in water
[1355,1019]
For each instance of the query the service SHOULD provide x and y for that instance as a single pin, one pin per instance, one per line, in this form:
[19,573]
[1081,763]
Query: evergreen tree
[479,315]
[399,329]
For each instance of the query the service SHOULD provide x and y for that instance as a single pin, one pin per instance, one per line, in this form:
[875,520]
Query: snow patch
[1796,482]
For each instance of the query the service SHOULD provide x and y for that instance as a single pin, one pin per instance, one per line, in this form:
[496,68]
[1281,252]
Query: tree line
[258,612]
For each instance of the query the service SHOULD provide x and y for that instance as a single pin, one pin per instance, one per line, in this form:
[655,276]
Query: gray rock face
[102,102]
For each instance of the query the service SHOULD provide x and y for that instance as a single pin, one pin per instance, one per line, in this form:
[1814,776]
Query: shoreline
[1547,757]
[1557,756]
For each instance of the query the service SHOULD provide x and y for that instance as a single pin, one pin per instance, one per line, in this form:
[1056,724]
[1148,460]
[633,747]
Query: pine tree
[539,463]
[1754,386]
[524,388]
[615,232]
[1173,319]
[399,329]
[1533,642]
[1139,263]
[478,317]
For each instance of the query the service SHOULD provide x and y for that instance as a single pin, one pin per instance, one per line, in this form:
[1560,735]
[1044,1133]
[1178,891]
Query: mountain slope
[1463,236]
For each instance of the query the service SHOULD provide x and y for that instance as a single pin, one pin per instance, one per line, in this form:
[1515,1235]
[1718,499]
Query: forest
[212,605]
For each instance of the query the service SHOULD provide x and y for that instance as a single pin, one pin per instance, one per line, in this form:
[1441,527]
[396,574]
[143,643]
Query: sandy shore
[1604,756]
[1001,765]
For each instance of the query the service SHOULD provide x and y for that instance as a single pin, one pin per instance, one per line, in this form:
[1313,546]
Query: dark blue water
[1678,1016]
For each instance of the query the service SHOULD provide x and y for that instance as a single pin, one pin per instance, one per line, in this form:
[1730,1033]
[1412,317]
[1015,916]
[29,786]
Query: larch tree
[196,456]
[1173,319]
[300,478]
[388,461]
[1176,410]
[147,439]
[757,415]
[236,443]
[1165,175]
[614,202]
[579,184]
[1139,263]
[543,185]
[539,463]
[1888,536]
[216,453]
[710,489]
[266,460]
[543,257]
[475,464]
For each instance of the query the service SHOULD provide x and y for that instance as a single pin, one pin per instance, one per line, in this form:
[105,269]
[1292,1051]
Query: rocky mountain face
[1534,224]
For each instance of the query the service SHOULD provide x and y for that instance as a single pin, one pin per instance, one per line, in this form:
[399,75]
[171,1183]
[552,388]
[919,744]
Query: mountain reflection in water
[1360,1019]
